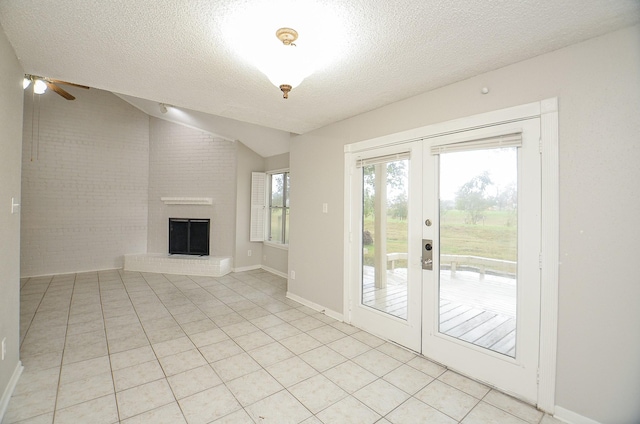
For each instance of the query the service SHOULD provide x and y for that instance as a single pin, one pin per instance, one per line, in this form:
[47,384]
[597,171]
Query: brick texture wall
[85,168]
[185,162]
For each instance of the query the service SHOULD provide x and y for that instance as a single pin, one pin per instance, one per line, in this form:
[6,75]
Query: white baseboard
[568,416]
[275,271]
[247,268]
[8,391]
[266,268]
[328,312]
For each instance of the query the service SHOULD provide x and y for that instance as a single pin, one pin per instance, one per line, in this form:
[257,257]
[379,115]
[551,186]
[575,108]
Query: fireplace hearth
[189,236]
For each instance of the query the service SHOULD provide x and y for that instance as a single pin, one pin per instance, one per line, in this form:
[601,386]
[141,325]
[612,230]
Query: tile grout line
[106,338]
[33,317]
[64,346]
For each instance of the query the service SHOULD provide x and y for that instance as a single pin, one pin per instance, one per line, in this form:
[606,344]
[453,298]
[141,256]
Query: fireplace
[189,236]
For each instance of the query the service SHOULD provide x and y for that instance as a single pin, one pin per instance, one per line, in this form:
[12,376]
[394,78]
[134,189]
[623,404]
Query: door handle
[427,254]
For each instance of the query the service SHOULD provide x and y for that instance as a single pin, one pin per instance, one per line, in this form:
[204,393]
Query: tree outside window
[279,208]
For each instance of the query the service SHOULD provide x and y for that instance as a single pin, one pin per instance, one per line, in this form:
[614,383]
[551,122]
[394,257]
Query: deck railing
[483,265]
[498,266]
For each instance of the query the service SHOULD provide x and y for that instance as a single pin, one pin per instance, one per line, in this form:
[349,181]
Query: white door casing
[547,112]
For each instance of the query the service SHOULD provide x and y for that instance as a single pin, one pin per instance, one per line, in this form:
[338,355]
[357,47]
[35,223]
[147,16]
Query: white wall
[248,162]
[275,259]
[598,86]
[274,163]
[84,182]
[10,151]
[184,162]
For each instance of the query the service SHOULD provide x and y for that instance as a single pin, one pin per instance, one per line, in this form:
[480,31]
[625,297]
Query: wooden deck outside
[482,312]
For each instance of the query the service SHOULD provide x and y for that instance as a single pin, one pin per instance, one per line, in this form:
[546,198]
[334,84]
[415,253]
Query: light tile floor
[127,347]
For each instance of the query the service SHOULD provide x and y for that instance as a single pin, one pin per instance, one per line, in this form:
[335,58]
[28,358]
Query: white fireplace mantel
[187,200]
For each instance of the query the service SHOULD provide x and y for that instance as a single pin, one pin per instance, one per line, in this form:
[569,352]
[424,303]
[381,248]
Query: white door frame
[547,110]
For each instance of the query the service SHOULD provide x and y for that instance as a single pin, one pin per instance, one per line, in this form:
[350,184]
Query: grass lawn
[494,237]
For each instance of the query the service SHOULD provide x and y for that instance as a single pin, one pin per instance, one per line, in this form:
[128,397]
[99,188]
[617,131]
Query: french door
[481,297]
[444,257]
[386,294]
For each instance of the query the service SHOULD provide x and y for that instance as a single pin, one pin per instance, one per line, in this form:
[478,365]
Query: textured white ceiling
[176,52]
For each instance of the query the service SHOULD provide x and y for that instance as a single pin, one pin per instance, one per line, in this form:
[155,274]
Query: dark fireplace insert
[189,236]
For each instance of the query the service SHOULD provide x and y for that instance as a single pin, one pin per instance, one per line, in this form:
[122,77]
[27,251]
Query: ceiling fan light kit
[39,87]
[41,84]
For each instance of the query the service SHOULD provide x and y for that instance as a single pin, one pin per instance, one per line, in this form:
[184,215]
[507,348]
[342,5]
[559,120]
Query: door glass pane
[478,247]
[385,235]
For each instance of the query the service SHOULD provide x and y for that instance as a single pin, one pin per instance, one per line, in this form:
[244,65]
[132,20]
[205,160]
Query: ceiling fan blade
[67,83]
[59,90]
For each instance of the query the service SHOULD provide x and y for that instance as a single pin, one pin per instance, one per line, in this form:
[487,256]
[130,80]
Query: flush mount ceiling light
[286,71]
[283,62]
[317,41]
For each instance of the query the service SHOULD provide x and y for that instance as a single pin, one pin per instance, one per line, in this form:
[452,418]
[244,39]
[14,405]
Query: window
[278,231]
[270,207]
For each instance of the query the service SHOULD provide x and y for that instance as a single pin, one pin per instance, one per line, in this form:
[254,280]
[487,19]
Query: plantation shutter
[258,205]
[507,140]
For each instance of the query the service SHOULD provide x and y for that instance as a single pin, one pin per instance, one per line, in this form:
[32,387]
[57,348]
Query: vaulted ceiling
[183,52]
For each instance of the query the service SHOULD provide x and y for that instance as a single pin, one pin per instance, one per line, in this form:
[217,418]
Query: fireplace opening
[189,236]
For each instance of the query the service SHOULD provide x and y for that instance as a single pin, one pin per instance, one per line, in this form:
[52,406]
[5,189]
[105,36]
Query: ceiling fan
[40,85]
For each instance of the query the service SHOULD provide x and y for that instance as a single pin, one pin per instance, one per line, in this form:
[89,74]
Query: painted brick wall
[185,162]
[85,174]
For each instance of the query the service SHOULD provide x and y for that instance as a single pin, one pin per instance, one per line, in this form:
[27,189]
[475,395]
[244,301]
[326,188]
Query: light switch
[15,207]
[325,208]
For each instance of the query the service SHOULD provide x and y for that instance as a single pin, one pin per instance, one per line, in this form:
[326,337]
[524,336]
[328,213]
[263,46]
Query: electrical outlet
[293,275]
[248,252]
[4,348]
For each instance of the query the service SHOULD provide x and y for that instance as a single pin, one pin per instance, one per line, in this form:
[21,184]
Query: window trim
[280,246]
